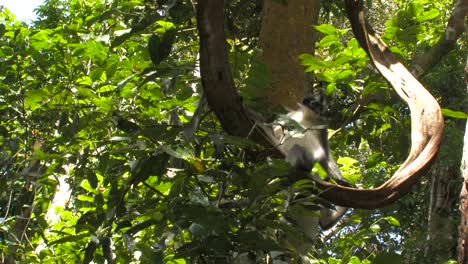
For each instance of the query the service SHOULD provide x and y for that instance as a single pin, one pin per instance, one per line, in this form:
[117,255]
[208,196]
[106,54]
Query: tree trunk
[287,31]
[463,228]
[441,227]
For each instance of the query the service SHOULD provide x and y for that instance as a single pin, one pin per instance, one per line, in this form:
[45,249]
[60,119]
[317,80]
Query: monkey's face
[316,103]
[305,116]
[310,112]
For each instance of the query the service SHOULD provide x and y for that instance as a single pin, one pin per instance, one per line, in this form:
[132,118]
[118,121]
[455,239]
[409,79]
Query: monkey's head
[308,114]
[315,102]
[310,111]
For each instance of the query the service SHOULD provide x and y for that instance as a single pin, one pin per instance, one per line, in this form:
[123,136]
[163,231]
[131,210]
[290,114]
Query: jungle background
[100,160]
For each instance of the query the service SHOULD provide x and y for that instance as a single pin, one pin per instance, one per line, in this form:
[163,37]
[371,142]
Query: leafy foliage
[97,164]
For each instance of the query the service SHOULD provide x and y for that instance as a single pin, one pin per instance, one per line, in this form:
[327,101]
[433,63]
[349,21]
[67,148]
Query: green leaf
[350,168]
[104,104]
[179,151]
[370,88]
[385,127]
[319,170]
[328,41]
[86,92]
[160,47]
[111,69]
[2,30]
[87,186]
[85,198]
[455,114]
[128,91]
[410,33]
[343,58]
[96,74]
[106,88]
[375,228]
[256,241]
[347,161]
[392,220]
[84,80]
[374,159]
[166,24]
[345,74]
[428,15]
[306,183]
[397,51]
[331,87]
[144,168]
[390,29]
[69,239]
[327,29]
[153,48]
[354,260]
[41,40]
[334,75]
[35,98]
[312,62]
[164,187]
[96,50]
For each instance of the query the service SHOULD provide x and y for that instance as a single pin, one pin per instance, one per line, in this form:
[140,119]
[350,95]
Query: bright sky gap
[23,9]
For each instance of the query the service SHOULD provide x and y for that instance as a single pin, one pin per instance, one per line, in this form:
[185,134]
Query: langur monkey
[303,151]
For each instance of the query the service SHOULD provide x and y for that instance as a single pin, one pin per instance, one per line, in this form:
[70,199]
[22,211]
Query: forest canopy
[111,151]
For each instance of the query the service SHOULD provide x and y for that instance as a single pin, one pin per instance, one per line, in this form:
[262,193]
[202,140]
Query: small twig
[8,204]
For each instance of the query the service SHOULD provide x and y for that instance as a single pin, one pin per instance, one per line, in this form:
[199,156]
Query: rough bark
[215,71]
[463,227]
[441,238]
[287,31]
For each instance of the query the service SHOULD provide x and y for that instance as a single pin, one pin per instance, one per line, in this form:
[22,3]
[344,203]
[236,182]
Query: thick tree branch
[216,76]
[455,27]
[25,201]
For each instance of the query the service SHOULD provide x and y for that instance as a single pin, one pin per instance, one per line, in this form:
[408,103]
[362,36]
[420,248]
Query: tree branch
[446,43]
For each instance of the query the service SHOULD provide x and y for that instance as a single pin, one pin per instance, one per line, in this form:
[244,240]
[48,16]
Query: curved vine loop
[426,117]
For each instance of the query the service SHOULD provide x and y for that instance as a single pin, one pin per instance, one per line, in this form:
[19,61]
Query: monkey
[306,149]
[311,146]
[303,150]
